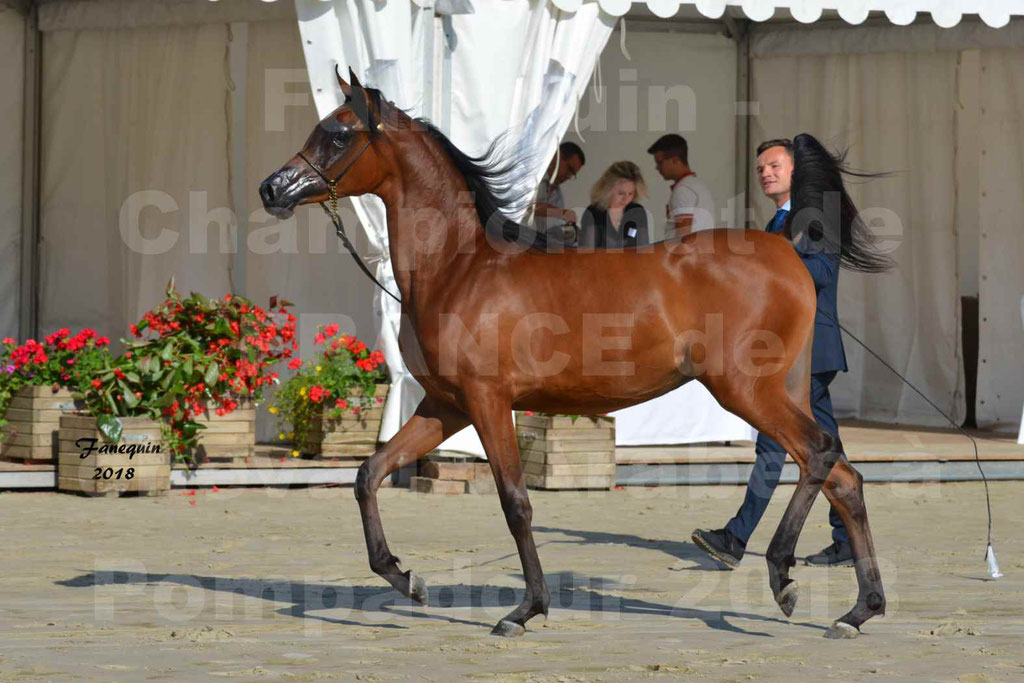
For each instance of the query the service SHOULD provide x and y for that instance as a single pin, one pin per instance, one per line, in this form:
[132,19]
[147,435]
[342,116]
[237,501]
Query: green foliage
[188,356]
[342,378]
[61,361]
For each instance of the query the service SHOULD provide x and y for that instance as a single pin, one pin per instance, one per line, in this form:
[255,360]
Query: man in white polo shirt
[690,206]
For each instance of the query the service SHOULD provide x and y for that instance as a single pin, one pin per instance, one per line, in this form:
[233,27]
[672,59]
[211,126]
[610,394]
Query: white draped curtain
[523,72]
[12,36]
[1001,250]
[134,172]
[895,112]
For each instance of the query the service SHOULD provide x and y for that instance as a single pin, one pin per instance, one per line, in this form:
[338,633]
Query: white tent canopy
[117,73]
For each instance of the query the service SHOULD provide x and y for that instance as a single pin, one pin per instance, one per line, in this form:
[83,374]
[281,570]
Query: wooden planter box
[111,474]
[353,438]
[32,422]
[558,453]
[228,436]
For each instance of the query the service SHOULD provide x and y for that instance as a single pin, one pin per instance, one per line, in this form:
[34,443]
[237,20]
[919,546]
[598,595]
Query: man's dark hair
[571,149]
[784,143]
[672,145]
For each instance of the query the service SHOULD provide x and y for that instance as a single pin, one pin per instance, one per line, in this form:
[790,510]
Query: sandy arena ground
[253,584]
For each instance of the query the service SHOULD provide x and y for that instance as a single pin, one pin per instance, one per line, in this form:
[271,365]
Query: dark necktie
[775,224]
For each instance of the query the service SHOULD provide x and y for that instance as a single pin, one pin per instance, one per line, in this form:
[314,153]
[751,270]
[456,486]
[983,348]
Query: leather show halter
[330,207]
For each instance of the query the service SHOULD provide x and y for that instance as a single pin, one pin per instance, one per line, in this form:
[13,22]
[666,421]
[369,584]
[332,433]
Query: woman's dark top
[597,231]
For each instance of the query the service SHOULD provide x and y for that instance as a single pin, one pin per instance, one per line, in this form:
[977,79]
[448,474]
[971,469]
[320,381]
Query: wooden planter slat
[73,458]
[60,401]
[557,452]
[35,415]
[32,422]
[151,471]
[228,436]
[361,436]
[43,392]
[589,457]
[141,471]
[22,439]
[565,445]
[25,426]
[543,481]
[350,450]
[151,484]
[28,453]
[582,469]
[351,435]
[564,434]
[564,421]
[364,416]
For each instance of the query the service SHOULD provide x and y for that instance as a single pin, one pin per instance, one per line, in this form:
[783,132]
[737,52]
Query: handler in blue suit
[775,171]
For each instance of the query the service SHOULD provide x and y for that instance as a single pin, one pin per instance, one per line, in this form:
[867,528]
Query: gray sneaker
[838,554]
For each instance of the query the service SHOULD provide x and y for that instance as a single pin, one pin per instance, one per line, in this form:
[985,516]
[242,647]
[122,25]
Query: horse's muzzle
[279,192]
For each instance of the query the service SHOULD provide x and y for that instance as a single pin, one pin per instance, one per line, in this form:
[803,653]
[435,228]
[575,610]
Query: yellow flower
[295,454]
[291,435]
[281,436]
[272,410]
[319,368]
[302,391]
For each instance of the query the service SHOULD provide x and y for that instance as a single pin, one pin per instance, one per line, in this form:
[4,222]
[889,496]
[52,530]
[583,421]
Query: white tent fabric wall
[134,129]
[895,112]
[1001,339]
[547,66]
[12,46]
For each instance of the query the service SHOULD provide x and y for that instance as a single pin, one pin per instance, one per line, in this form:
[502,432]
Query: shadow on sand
[683,550]
[571,592]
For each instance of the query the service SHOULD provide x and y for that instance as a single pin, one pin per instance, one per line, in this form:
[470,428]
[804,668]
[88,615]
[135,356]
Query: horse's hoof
[840,630]
[508,629]
[418,589]
[787,598]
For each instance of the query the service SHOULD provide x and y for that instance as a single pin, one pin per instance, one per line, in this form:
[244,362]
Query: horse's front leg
[426,429]
[492,417]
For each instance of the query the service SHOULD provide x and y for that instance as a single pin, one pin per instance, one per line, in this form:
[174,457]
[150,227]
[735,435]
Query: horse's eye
[340,139]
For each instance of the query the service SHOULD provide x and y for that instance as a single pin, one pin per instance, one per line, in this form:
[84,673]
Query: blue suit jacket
[828,354]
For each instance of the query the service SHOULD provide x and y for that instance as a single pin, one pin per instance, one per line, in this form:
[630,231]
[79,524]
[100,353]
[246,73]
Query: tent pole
[28,293]
[238,64]
[745,109]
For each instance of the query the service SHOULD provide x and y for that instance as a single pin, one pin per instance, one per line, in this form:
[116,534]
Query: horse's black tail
[823,212]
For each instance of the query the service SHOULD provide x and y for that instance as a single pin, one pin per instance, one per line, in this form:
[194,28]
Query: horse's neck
[433,233]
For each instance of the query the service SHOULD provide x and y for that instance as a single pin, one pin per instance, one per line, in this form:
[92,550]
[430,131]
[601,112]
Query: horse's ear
[363,106]
[345,87]
[353,78]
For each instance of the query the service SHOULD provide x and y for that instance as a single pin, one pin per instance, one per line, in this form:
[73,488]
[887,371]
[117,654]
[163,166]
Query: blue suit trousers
[768,468]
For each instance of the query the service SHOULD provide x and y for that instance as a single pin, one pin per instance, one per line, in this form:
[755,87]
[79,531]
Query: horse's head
[340,152]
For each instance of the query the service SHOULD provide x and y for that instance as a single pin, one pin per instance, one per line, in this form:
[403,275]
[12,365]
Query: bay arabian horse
[491,326]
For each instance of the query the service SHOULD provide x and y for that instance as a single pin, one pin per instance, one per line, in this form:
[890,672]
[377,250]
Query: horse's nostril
[267,192]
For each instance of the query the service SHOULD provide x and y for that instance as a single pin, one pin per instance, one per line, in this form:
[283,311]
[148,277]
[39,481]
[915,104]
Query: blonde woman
[614,220]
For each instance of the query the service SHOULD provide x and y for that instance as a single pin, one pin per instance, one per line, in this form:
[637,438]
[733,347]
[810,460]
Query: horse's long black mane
[496,184]
[495,179]
[824,213]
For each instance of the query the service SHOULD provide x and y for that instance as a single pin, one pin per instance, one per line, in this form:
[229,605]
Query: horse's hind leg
[826,467]
[492,417]
[845,490]
[429,426]
[819,456]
